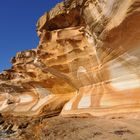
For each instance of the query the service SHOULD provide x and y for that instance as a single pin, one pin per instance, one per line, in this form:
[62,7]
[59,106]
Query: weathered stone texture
[88,54]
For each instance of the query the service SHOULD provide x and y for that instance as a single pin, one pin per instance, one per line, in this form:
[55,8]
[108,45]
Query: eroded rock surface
[86,63]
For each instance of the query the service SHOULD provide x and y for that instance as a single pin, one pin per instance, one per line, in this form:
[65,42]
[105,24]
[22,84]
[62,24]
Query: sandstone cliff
[86,63]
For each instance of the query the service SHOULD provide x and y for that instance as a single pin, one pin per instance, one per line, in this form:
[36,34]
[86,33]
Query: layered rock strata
[88,54]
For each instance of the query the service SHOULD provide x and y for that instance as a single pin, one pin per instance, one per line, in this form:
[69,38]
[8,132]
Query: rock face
[88,56]
[109,72]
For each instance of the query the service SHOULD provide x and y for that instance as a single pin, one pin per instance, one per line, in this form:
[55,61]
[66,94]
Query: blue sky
[17,26]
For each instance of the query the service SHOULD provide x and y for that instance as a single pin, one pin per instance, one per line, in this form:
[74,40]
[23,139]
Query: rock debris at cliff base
[111,127]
